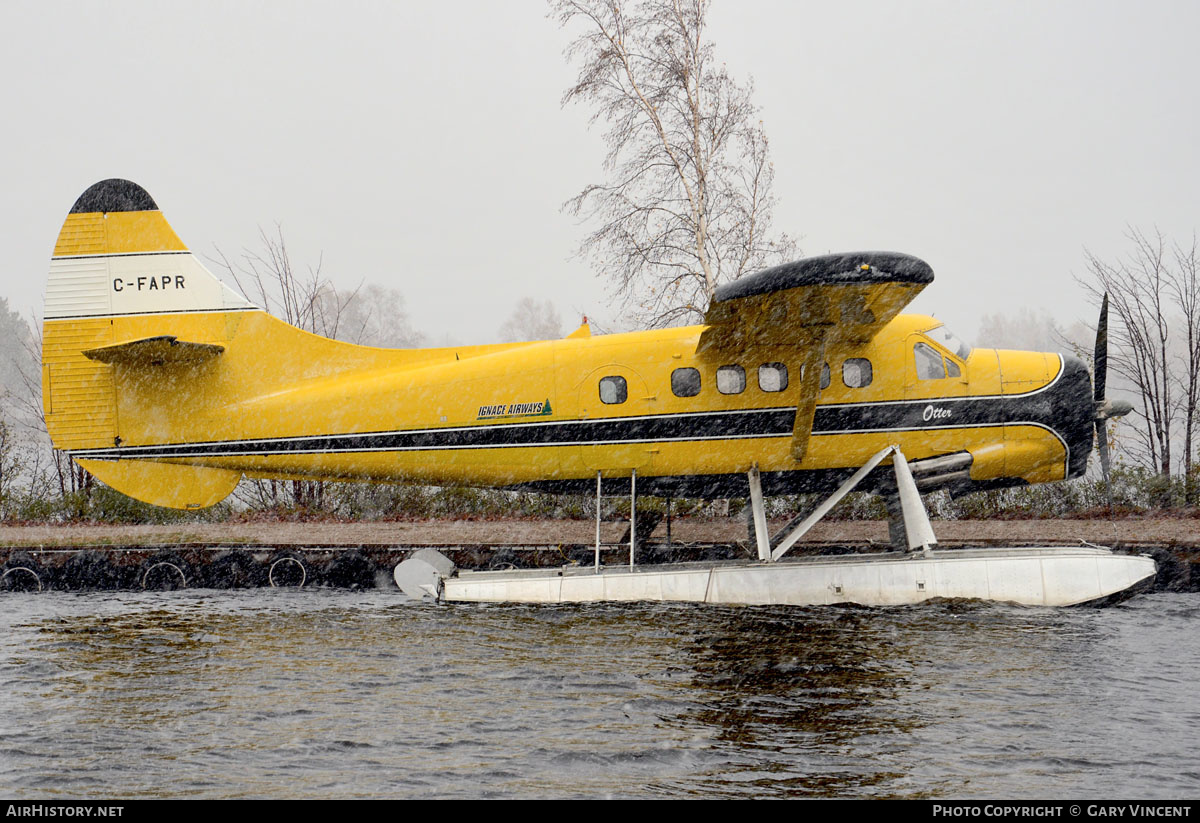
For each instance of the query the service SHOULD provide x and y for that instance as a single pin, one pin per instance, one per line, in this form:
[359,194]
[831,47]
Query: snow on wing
[813,304]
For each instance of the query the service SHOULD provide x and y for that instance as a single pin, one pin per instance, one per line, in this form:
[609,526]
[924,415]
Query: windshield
[947,338]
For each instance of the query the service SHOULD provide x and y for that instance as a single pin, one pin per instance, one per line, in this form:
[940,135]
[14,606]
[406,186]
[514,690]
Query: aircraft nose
[1072,410]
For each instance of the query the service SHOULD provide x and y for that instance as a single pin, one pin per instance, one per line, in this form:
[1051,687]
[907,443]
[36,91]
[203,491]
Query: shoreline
[502,532]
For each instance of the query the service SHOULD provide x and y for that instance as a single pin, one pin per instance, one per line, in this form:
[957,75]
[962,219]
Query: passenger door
[613,431]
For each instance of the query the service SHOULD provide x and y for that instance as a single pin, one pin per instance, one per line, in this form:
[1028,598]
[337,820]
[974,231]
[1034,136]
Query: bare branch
[1154,298]
[688,201]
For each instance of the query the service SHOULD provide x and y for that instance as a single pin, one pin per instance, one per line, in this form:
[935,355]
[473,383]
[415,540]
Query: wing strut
[918,529]
[806,407]
[759,512]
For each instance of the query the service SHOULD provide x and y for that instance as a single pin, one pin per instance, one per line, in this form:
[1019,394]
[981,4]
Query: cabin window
[772,377]
[856,372]
[613,390]
[685,382]
[929,363]
[731,380]
[952,369]
[824,376]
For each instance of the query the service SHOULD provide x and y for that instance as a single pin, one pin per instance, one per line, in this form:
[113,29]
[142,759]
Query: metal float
[1032,575]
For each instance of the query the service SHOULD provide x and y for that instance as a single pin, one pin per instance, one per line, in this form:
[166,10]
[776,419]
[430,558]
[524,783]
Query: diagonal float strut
[918,530]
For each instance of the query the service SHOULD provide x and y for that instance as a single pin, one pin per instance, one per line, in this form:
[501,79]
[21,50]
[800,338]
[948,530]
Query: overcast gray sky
[422,145]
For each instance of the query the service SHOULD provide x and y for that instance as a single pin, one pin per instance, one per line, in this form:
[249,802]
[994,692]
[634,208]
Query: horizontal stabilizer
[154,351]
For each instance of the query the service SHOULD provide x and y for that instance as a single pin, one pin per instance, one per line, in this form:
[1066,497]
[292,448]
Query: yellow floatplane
[169,386]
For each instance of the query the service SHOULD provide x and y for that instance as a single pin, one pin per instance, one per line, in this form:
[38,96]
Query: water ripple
[335,694]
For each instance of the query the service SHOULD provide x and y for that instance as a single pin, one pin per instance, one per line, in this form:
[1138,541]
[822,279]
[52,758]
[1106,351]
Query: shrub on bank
[1135,492]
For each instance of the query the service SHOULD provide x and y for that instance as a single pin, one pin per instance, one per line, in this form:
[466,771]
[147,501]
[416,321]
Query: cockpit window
[929,363]
[948,339]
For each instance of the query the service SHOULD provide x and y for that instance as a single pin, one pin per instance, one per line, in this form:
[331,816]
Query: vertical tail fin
[117,265]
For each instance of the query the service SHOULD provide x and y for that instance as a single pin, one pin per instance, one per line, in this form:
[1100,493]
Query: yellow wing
[813,304]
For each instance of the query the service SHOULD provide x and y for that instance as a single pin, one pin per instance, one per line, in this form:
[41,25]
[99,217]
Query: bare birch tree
[688,197]
[1154,294]
[45,469]
[1027,330]
[1184,282]
[532,320]
[373,315]
[307,301]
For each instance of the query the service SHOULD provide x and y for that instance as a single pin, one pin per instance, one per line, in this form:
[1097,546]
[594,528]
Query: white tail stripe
[135,284]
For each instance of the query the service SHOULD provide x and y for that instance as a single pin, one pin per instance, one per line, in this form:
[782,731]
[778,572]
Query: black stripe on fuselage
[658,428]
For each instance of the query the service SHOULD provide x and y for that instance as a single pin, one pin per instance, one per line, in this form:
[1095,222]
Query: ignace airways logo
[506,410]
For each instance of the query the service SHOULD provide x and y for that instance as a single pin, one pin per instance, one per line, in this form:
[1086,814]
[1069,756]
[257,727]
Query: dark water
[269,693]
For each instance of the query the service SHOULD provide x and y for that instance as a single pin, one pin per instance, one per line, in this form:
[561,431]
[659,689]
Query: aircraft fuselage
[550,415]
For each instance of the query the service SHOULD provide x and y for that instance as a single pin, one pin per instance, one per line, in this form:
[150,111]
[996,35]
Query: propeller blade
[1100,364]
[1105,463]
